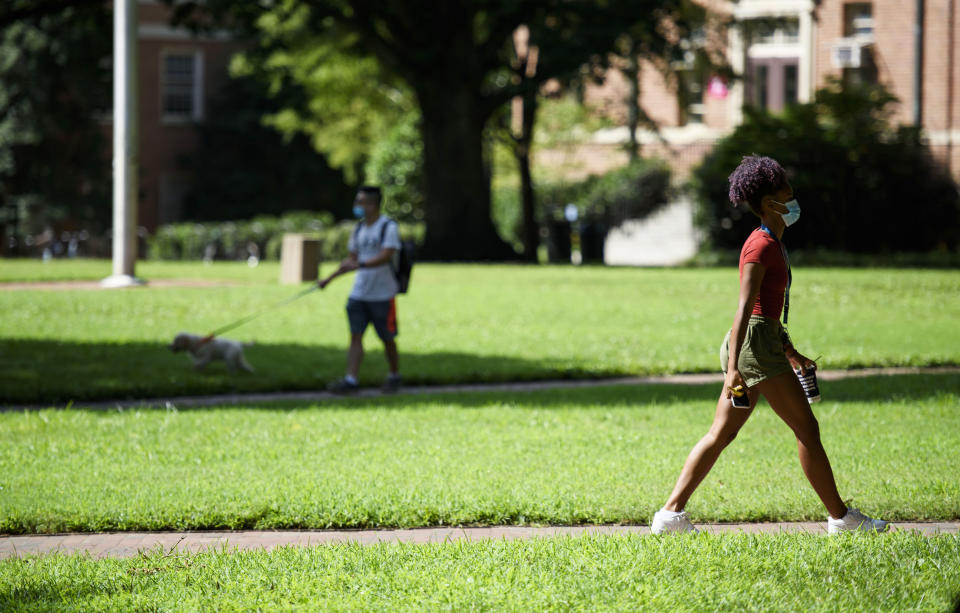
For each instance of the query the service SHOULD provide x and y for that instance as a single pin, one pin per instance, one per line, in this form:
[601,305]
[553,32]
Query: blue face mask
[358,211]
[793,212]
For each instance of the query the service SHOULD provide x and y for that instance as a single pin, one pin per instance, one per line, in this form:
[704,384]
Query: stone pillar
[299,259]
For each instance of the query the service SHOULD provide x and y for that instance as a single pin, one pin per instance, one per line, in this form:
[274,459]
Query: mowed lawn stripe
[588,456]
[617,573]
[459,323]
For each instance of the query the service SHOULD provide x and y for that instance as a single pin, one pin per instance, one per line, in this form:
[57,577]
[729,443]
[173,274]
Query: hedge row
[261,237]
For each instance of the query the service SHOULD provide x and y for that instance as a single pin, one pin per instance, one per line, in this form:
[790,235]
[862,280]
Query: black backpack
[402,264]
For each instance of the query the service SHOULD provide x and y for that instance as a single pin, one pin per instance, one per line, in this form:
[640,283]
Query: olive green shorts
[762,356]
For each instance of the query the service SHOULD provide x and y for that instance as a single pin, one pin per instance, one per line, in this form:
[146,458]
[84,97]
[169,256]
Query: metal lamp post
[125,146]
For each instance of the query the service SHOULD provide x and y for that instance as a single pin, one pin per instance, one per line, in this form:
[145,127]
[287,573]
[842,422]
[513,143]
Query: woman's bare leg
[787,400]
[727,421]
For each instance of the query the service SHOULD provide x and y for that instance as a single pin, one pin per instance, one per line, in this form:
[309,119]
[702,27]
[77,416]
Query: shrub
[396,165]
[262,236]
[632,192]
[864,186]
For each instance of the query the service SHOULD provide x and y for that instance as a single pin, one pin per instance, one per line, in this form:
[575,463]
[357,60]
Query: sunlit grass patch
[459,323]
[576,456]
[705,572]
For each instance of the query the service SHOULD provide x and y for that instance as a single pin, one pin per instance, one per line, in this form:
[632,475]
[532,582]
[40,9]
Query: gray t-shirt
[374,283]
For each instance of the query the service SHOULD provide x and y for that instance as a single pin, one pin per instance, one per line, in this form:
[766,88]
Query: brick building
[178,74]
[784,50]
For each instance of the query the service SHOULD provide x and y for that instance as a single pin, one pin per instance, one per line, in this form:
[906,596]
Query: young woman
[758,357]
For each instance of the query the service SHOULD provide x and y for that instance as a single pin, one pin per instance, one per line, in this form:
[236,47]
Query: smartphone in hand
[742,401]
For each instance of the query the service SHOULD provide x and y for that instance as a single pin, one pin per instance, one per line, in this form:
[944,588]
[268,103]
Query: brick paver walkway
[128,544]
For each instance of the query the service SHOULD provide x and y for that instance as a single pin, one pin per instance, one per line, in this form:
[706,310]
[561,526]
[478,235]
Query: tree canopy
[327,86]
[456,59]
[864,185]
[242,168]
[53,89]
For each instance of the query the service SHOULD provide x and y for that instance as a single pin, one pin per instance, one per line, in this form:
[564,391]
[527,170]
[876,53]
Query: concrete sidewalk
[247,399]
[129,544]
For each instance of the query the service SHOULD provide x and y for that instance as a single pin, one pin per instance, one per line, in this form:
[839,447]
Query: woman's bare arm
[749,290]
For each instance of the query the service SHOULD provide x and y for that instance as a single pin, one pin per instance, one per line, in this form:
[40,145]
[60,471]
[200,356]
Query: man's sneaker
[342,386]
[668,521]
[392,384]
[855,521]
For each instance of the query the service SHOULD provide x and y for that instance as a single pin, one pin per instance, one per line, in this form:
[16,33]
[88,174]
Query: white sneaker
[667,521]
[855,521]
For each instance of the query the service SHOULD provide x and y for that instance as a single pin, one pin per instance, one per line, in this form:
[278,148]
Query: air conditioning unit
[863,27]
[846,53]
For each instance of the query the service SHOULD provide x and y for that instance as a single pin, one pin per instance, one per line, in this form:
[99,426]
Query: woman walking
[758,357]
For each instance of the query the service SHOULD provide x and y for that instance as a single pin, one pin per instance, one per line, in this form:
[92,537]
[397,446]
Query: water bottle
[809,383]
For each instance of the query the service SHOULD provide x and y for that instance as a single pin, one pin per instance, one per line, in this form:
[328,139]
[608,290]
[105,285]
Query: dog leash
[206,339]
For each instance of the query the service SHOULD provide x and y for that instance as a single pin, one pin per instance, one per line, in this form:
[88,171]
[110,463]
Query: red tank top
[763,248]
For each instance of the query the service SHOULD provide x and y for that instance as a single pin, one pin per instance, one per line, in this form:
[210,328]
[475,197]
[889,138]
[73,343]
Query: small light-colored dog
[203,350]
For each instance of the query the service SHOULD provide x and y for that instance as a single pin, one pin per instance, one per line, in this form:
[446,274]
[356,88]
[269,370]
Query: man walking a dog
[373,299]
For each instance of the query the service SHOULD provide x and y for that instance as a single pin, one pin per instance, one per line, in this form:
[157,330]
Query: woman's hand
[732,380]
[798,360]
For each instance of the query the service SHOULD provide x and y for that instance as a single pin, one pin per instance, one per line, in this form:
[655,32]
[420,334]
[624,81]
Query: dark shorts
[381,313]
[762,356]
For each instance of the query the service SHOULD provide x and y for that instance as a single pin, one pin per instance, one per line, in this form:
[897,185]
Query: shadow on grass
[40,371]
[866,389]
[872,389]
[62,594]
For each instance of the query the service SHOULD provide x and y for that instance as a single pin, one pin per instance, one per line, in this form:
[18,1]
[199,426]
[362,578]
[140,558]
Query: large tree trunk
[632,72]
[459,226]
[531,231]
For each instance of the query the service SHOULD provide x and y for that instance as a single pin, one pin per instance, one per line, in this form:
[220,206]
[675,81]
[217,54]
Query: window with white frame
[693,97]
[858,31]
[774,55]
[858,21]
[775,31]
[690,79]
[181,87]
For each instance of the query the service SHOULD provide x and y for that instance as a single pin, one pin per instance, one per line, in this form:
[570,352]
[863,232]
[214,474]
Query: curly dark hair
[756,176]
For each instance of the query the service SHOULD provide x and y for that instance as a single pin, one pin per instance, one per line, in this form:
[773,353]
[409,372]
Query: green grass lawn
[571,456]
[895,572]
[460,323]
[605,455]
[25,271]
